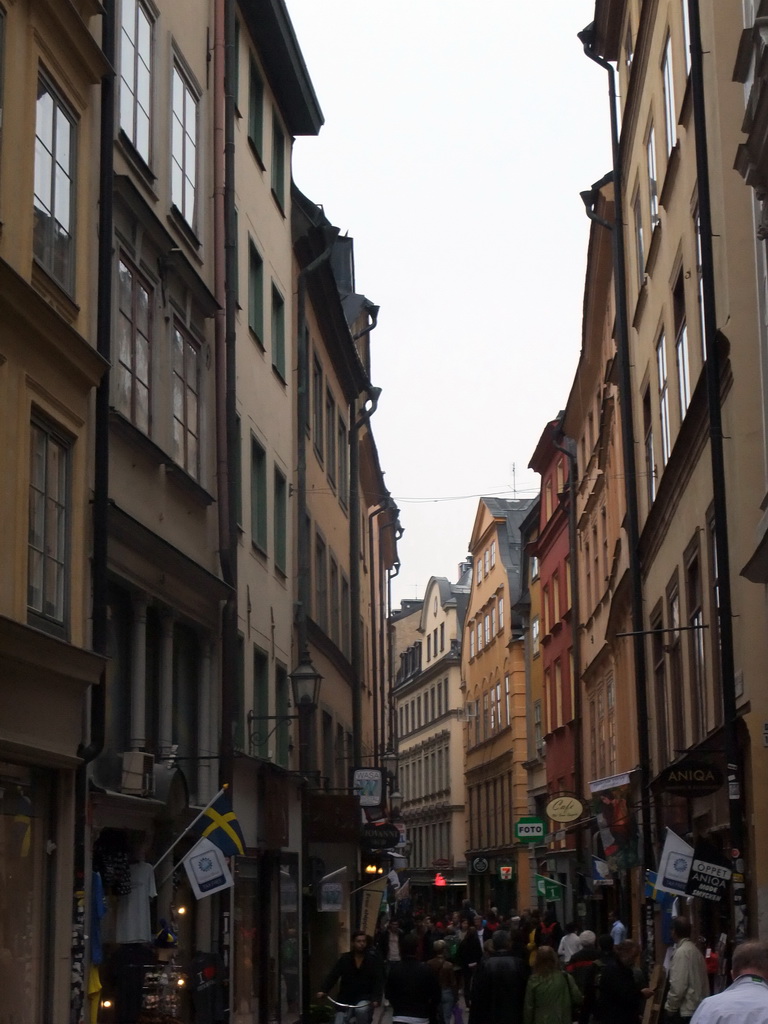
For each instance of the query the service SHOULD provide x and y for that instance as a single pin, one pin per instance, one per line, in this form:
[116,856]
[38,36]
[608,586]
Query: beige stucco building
[495,734]
[429,712]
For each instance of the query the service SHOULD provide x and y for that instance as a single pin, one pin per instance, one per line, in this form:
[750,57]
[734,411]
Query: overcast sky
[457,138]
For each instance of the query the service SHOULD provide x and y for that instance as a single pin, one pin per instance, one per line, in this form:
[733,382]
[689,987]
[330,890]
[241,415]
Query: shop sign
[380,837]
[690,777]
[368,786]
[479,865]
[530,830]
[548,888]
[710,873]
[506,870]
[564,808]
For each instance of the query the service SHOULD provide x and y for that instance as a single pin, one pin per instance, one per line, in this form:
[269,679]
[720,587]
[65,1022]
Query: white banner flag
[207,869]
[674,865]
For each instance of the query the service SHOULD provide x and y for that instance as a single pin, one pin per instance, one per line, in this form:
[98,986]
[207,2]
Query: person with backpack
[551,996]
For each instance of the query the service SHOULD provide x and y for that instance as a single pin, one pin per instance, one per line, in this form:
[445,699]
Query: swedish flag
[219,823]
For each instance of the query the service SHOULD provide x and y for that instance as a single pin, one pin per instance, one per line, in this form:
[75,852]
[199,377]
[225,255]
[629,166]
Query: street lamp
[305,684]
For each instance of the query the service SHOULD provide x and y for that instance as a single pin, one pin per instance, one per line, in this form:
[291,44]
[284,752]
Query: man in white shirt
[746,1001]
[618,930]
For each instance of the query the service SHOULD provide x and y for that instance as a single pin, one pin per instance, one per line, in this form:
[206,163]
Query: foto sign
[530,830]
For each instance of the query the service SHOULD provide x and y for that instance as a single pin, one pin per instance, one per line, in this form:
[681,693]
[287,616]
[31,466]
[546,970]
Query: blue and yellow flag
[219,824]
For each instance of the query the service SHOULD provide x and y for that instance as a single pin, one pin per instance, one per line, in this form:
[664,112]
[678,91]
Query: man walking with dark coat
[498,989]
[412,987]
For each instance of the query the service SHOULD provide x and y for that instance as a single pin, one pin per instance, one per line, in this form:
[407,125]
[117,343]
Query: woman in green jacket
[552,997]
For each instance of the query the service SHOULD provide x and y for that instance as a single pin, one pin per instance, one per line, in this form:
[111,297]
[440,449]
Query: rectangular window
[486,558]
[479,570]
[278,333]
[507,703]
[281,521]
[321,583]
[639,245]
[184,148]
[471,641]
[54,201]
[48,536]
[345,616]
[186,401]
[537,734]
[258,495]
[650,459]
[479,637]
[659,691]
[335,605]
[343,453]
[255,292]
[653,187]
[661,366]
[330,437]
[493,621]
[255,109]
[674,648]
[534,567]
[686,36]
[535,635]
[442,636]
[493,553]
[259,737]
[487,629]
[132,366]
[278,162]
[317,406]
[681,348]
[136,76]
[668,82]
[429,647]
[694,597]
[629,51]
[497,700]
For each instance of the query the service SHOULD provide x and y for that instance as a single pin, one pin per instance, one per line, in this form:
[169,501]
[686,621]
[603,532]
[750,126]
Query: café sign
[691,777]
[564,808]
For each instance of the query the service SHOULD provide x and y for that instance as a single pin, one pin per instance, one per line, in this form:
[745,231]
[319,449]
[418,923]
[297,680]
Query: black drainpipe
[737,839]
[630,476]
[100,507]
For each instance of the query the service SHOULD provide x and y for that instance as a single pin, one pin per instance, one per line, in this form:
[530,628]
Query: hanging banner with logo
[373,894]
[331,897]
[710,873]
[549,888]
[601,872]
[616,821]
[207,869]
[674,865]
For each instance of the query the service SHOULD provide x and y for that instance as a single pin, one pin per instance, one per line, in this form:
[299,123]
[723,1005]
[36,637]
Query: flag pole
[190,826]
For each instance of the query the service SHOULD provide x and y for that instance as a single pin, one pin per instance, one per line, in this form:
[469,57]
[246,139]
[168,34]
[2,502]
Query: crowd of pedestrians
[531,970]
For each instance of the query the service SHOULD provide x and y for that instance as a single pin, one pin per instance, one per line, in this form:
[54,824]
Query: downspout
[357,418]
[720,525]
[630,475]
[376,602]
[394,738]
[96,728]
[99,584]
[568,448]
[302,423]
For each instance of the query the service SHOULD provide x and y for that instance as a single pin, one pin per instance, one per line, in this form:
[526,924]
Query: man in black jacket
[412,987]
[360,976]
[498,989]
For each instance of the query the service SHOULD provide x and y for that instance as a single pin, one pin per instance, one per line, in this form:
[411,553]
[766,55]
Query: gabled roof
[272,32]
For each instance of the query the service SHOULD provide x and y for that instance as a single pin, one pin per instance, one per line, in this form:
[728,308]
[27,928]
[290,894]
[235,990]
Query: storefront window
[24,888]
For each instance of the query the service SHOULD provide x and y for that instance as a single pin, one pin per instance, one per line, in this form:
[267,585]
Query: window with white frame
[486,560]
[186,401]
[487,628]
[183,147]
[479,637]
[637,215]
[681,348]
[668,82]
[501,614]
[535,635]
[507,703]
[472,641]
[650,457]
[661,367]
[132,364]
[537,733]
[48,534]
[54,197]
[653,186]
[493,553]
[479,570]
[686,36]
[136,27]
[493,621]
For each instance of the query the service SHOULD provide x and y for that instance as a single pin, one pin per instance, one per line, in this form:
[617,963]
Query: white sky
[458,135]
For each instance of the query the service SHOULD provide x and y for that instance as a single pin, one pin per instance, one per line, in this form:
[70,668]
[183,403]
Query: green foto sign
[530,830]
